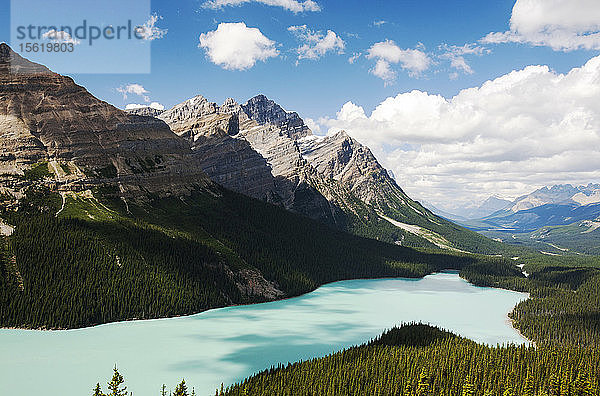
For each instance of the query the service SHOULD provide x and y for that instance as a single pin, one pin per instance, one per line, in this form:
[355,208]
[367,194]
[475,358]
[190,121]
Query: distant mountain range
[474,210]
[557,216]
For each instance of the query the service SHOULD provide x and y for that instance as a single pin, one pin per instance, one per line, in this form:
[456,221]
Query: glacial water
[228,344]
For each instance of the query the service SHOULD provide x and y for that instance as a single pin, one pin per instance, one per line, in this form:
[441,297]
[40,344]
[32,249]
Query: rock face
[261,150]
[558,194]
[265,111]
[46,117]
[145,111]
[342,158]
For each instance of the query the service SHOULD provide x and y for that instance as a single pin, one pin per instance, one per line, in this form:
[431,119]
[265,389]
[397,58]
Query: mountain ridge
[261,150]
[85,142]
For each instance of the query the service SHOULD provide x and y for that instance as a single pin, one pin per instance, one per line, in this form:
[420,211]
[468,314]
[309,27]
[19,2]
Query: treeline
[564,303]
[94,265]
[416,360]
[116,387]
[564,316]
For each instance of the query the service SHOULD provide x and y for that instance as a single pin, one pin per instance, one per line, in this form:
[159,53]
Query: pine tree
[529,388]
[468,388]
[591,385]
[423,387]
[114,386]
[508,392]
[554,385]
[98,391]
[407,389]
[181,389]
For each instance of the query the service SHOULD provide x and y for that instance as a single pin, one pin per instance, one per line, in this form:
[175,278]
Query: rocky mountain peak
[13,63]
[193,108]
[230,106]
[48,120]
[145,111]
[265,111]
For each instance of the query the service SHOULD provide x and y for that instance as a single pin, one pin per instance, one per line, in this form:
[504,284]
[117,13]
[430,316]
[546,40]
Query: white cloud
[316,43]
[135,89]
[355,56]
[313,125]
[153,105]
[234,46]
[526,129]
[456,55]
[379,23]
[149,31]
[290,5]
[386,53]
[563,25]
[60,36]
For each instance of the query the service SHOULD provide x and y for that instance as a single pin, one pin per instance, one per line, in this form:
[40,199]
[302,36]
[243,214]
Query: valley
[215,241]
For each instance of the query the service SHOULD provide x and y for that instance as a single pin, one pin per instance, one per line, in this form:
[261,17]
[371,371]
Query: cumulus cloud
[149,31]
[386,53]
[290,5]
[563,25]
[135,89]
[60,36]
[316,43]
[379,23]
[313,125]
[234,46]
[525,129]
[153,105]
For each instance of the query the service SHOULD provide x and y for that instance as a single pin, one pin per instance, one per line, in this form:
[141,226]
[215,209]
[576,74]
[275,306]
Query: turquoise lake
[228,344]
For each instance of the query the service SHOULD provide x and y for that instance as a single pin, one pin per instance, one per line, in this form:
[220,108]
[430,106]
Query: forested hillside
[103,260]
[421,360]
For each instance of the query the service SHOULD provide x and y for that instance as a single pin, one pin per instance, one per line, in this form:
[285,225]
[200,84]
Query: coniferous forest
[94,263]
[421,360]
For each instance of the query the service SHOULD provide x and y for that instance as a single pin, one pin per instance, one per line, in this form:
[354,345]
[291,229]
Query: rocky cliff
[46,118]
[261,150]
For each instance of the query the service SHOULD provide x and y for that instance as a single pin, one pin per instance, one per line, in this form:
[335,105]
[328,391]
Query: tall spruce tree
[115,386]
[181,389]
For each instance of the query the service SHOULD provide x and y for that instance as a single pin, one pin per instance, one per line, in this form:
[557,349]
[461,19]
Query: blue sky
[320,88]
[317,88]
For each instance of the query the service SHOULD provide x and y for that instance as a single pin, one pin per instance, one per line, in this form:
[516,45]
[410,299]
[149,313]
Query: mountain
[474,210]
[84,142]
[544,215]
[564,194]
[554,220]
[558,194]
[547,206]
[109,216]
[263,151]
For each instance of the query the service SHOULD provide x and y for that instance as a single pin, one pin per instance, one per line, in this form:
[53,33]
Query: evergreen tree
[98,391]
[529,388]
[115,386]
[423,386]
[468,388]
[181,389]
